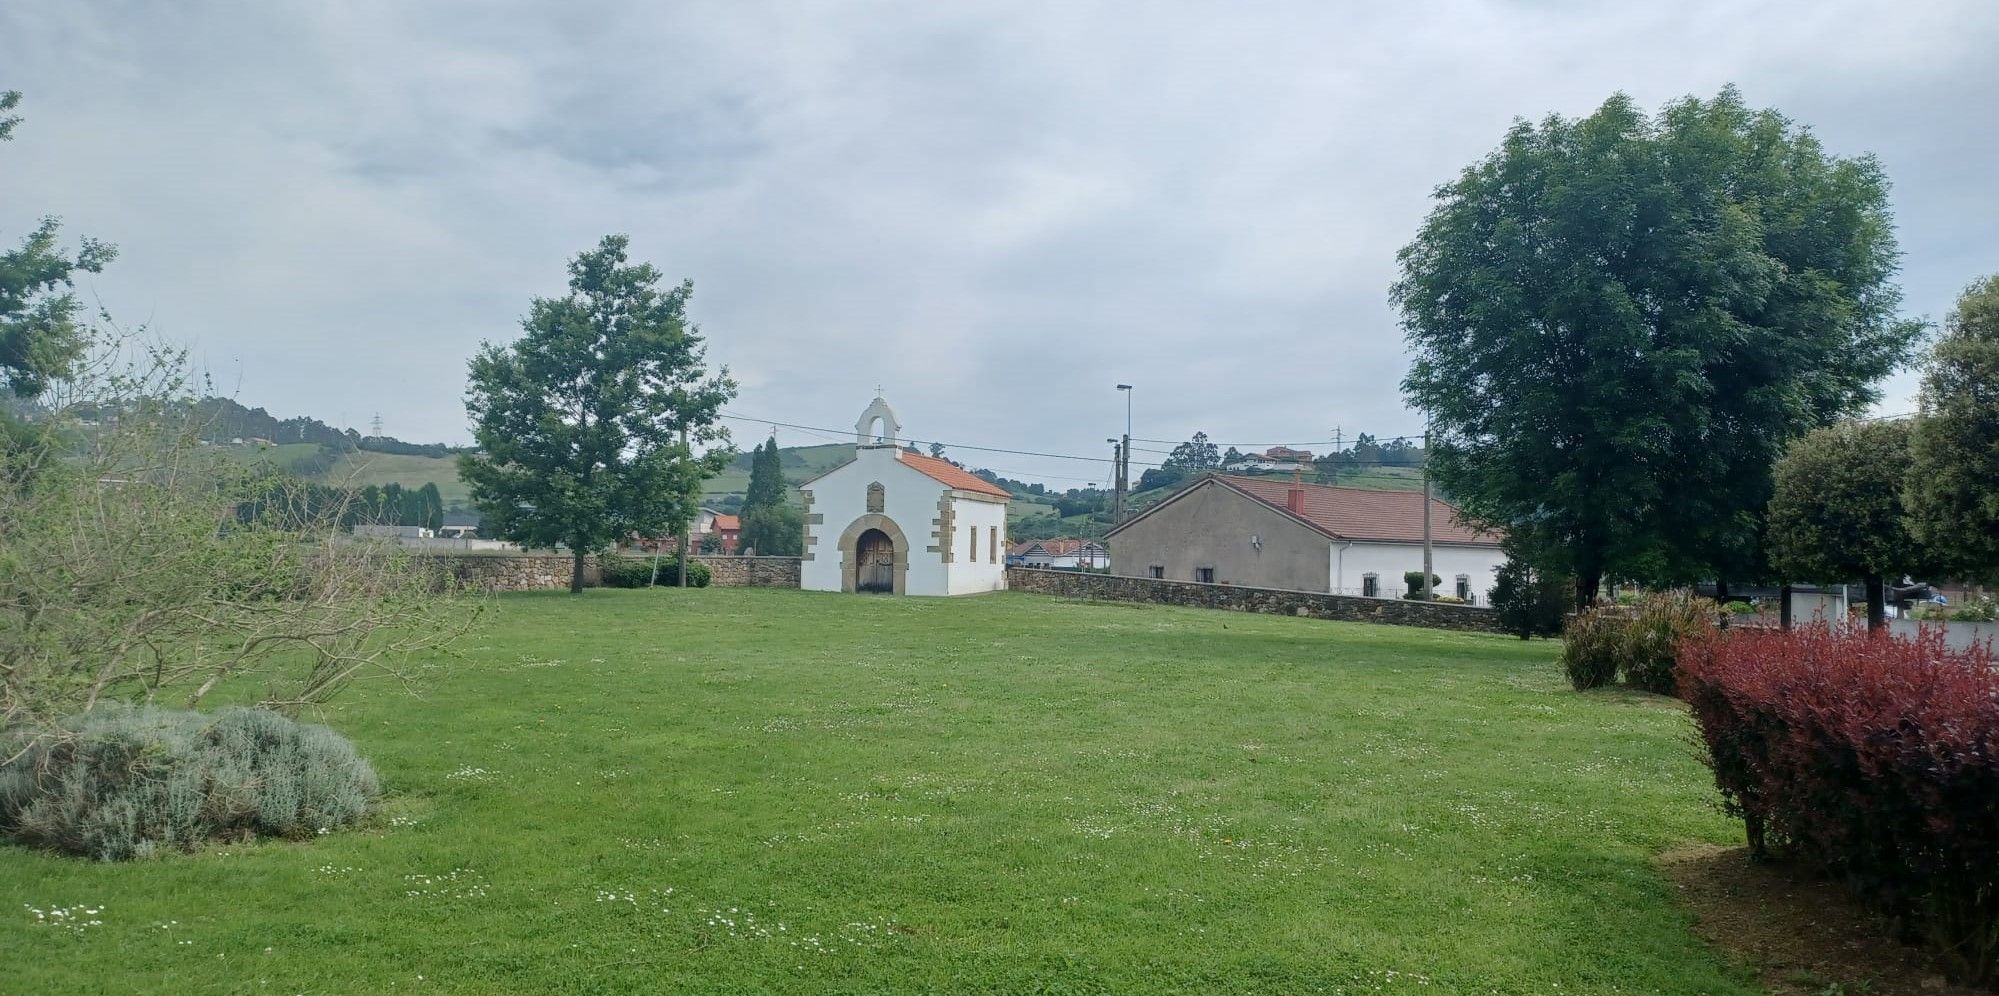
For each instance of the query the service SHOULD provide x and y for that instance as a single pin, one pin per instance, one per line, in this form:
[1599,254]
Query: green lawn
[747,791]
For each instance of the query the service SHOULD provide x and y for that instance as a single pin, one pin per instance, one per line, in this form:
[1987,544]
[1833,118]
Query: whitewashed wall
[1391,560]
[986,572]
[910,499]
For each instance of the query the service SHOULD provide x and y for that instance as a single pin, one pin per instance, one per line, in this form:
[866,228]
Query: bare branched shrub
[140,565]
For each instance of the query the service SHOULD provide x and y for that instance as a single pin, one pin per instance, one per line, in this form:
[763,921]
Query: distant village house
[1277,459]
[1062,554]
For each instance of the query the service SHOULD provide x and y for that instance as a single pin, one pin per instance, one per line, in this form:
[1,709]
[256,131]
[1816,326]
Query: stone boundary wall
[750,572]
[513,571]
[1236,598]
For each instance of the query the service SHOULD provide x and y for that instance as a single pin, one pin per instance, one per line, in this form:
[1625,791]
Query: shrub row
[1874,760]
[637,572]
[119,782]
[1638,642]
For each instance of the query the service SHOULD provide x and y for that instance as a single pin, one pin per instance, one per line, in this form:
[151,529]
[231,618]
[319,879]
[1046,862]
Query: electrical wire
[841,435]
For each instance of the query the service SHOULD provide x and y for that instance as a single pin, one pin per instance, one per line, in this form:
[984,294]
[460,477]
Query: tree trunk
[1721,591]
[1877,605]
[576,572]
[1784,605]
[1587,583]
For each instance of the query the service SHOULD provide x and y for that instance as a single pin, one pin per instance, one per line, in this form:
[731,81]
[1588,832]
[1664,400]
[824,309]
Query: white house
[1065,554]
[895,521]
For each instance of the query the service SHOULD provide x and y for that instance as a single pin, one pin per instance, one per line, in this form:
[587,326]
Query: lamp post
[1124,456]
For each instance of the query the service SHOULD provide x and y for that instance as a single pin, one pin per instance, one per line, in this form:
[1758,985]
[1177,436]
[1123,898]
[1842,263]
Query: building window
[1370,585]
[1157,571]
[992,545]
[1464,587]
[972,551]
[1205,575]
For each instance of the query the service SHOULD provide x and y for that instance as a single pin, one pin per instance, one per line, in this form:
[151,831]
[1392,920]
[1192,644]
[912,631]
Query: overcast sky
[996,211]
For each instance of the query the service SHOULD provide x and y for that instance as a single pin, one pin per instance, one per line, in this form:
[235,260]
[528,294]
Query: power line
[945,443]
[1320,442]
[841,435]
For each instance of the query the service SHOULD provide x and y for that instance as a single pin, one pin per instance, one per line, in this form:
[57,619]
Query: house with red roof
[893,520]
[1065,554]
[1268,532]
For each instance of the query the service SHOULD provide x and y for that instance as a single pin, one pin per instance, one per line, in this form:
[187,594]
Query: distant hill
[316,451]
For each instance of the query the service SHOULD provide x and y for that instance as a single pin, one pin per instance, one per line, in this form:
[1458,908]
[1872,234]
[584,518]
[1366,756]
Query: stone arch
[850,556]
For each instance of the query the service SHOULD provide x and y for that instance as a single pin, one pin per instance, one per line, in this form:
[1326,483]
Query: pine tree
[771,526]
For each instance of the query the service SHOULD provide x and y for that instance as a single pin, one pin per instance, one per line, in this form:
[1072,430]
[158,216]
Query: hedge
[637,572]
[1639,641]
[1874,760]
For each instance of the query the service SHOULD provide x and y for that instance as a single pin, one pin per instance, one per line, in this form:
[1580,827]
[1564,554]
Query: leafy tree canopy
[1954,489]
[1621,320]
[580,423]
[1195,455]
[40,338]
[1837,510]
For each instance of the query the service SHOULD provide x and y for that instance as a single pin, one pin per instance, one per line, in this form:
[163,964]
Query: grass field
[748,791]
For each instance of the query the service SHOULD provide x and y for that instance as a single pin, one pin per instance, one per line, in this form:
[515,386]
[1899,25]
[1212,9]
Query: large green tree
[1953,491]
[587,426]
[40,337]
[1621,320]
[1837,513]
[771,526]
[1196,455]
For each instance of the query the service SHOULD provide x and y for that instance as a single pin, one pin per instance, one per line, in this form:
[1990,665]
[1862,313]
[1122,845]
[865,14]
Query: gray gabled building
[1273,533]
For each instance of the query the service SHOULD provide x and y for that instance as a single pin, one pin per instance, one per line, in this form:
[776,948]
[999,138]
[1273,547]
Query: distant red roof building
[729,530]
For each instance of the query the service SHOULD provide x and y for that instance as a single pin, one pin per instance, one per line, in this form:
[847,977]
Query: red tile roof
[724,523]
[1364,514]
[946,473]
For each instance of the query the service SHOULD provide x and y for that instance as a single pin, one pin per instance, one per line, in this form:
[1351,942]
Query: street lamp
[1126,388]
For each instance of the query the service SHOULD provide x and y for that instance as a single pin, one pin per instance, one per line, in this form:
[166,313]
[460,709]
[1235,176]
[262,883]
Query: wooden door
[875,562]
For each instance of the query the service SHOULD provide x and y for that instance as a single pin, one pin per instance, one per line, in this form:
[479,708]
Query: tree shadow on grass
[1801,935]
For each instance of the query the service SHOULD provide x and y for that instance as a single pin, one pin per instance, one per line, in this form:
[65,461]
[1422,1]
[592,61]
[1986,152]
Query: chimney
[1294,500]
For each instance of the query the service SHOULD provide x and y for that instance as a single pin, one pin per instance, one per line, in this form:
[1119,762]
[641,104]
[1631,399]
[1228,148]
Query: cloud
[996,211]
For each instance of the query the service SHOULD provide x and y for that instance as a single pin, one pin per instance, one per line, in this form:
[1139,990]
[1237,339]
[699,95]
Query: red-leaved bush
[1871,759]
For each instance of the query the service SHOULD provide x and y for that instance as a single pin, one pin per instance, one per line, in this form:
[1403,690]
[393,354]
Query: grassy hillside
[362,468]
[820,793]
[801,464]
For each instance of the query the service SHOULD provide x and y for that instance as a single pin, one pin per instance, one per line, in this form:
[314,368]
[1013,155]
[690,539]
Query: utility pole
[1428,593]
[1335,461]
[689,523]
[1117,479]
[1124,454]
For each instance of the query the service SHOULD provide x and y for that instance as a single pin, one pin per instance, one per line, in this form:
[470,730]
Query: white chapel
[894,521]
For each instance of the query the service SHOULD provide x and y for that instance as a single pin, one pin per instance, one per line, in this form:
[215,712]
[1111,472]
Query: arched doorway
[858,568]
[874,562]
